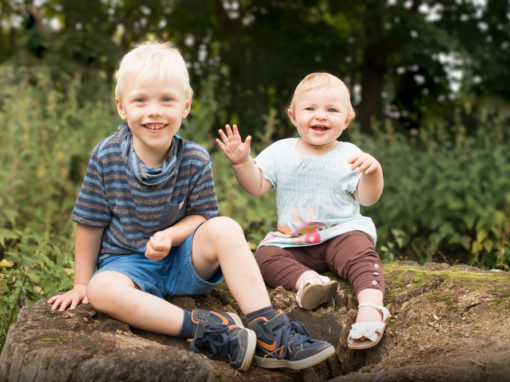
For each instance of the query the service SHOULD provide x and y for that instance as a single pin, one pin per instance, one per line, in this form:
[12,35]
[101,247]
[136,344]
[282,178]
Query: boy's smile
[154,126]
[154,110]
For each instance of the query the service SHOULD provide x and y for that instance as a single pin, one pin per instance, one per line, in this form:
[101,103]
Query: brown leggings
[351,256]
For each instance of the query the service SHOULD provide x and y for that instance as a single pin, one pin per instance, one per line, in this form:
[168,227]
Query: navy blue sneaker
[223,333]
[281,343]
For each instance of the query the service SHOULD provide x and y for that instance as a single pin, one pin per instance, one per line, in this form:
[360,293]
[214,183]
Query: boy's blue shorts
[172,276]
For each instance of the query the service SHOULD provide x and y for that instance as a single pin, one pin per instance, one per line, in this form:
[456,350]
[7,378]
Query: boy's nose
[154,109]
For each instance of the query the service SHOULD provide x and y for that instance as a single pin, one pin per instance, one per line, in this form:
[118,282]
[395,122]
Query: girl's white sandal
[315,291]
[371,331]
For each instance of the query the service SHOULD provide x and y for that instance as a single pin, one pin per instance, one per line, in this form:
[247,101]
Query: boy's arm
[371,183]
[87,244]
[249,176]
[161,242]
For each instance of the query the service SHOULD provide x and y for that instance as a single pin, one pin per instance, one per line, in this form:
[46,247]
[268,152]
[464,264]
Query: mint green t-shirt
[314,194]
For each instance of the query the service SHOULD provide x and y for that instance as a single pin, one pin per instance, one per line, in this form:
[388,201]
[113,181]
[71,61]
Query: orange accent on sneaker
[224,321]
[258,318]
[268,347]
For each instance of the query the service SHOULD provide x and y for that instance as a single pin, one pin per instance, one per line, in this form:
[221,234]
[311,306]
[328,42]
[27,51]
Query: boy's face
[320,116]
[154,110]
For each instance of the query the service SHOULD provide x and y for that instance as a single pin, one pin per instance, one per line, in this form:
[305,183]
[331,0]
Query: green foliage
[404,56]
[46,139]
[447,192]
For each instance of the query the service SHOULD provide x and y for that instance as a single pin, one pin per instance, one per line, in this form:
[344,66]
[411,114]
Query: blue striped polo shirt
[132,201]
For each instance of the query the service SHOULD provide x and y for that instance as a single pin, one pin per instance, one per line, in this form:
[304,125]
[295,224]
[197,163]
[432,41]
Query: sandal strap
[370,330]
[385,312]
[312,280]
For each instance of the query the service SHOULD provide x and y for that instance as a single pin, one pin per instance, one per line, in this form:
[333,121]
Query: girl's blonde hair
[321,80]
[150,60]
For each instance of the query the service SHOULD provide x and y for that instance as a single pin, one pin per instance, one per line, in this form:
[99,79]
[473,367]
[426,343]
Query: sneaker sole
[250,346]
[317,294]
[273,363]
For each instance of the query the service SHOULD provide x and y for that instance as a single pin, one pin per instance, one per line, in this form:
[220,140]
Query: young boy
[146,218]
[318,193]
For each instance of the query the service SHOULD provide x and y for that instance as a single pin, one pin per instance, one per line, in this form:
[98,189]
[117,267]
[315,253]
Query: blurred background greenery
[429,83]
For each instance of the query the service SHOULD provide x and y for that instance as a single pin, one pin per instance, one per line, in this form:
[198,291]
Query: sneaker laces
[294,333]
[216,336]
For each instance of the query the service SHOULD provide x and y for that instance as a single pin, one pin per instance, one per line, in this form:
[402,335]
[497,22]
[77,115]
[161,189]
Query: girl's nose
[320,115]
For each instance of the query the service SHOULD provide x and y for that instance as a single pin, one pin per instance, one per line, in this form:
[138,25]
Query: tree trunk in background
[373,70]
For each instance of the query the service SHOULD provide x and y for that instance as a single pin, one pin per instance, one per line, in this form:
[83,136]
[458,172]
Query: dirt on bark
[449,323]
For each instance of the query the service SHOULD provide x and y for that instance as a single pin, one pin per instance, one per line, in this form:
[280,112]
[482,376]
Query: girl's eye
[167,99]
[309,108]
[140,99]
[332,110]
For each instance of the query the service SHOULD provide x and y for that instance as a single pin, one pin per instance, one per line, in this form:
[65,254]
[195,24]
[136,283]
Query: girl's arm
[249,176]
[371,183]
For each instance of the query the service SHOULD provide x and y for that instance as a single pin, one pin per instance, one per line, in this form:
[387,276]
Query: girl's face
[320,116]
[154,110]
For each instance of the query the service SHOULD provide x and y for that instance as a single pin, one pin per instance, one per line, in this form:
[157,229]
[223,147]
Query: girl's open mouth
[319,128]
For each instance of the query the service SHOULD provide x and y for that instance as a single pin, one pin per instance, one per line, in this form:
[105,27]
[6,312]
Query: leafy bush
[447,193]
[46,138]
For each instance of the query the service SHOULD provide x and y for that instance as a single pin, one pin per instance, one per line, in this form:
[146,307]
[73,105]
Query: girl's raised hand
[233,146]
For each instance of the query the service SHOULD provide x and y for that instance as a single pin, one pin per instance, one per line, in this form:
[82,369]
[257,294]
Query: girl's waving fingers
[232,145]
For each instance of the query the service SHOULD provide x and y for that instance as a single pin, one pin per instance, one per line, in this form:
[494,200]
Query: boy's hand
[69,299]
[364,163]
[158,246]
[232,145]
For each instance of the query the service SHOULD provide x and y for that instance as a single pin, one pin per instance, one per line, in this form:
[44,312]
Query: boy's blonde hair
[151,60]
[321,80]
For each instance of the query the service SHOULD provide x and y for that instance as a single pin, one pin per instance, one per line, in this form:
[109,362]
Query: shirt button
[374,282]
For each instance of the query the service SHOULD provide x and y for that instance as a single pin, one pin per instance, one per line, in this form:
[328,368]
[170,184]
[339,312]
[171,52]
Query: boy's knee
[100,290]
[219,226]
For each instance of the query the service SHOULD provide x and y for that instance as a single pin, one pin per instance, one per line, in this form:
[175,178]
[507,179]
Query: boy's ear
[120,108]
[187,107]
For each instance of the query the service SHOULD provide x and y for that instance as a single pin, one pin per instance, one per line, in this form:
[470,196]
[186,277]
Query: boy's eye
[332,110]
[140,99]
[309,108]
[167,99]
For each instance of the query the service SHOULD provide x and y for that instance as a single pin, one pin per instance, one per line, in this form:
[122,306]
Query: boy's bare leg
[116,295]
[221,242]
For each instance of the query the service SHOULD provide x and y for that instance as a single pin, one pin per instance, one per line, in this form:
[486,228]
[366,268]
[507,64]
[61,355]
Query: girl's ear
[348,120]
[120,109]
[290,113]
